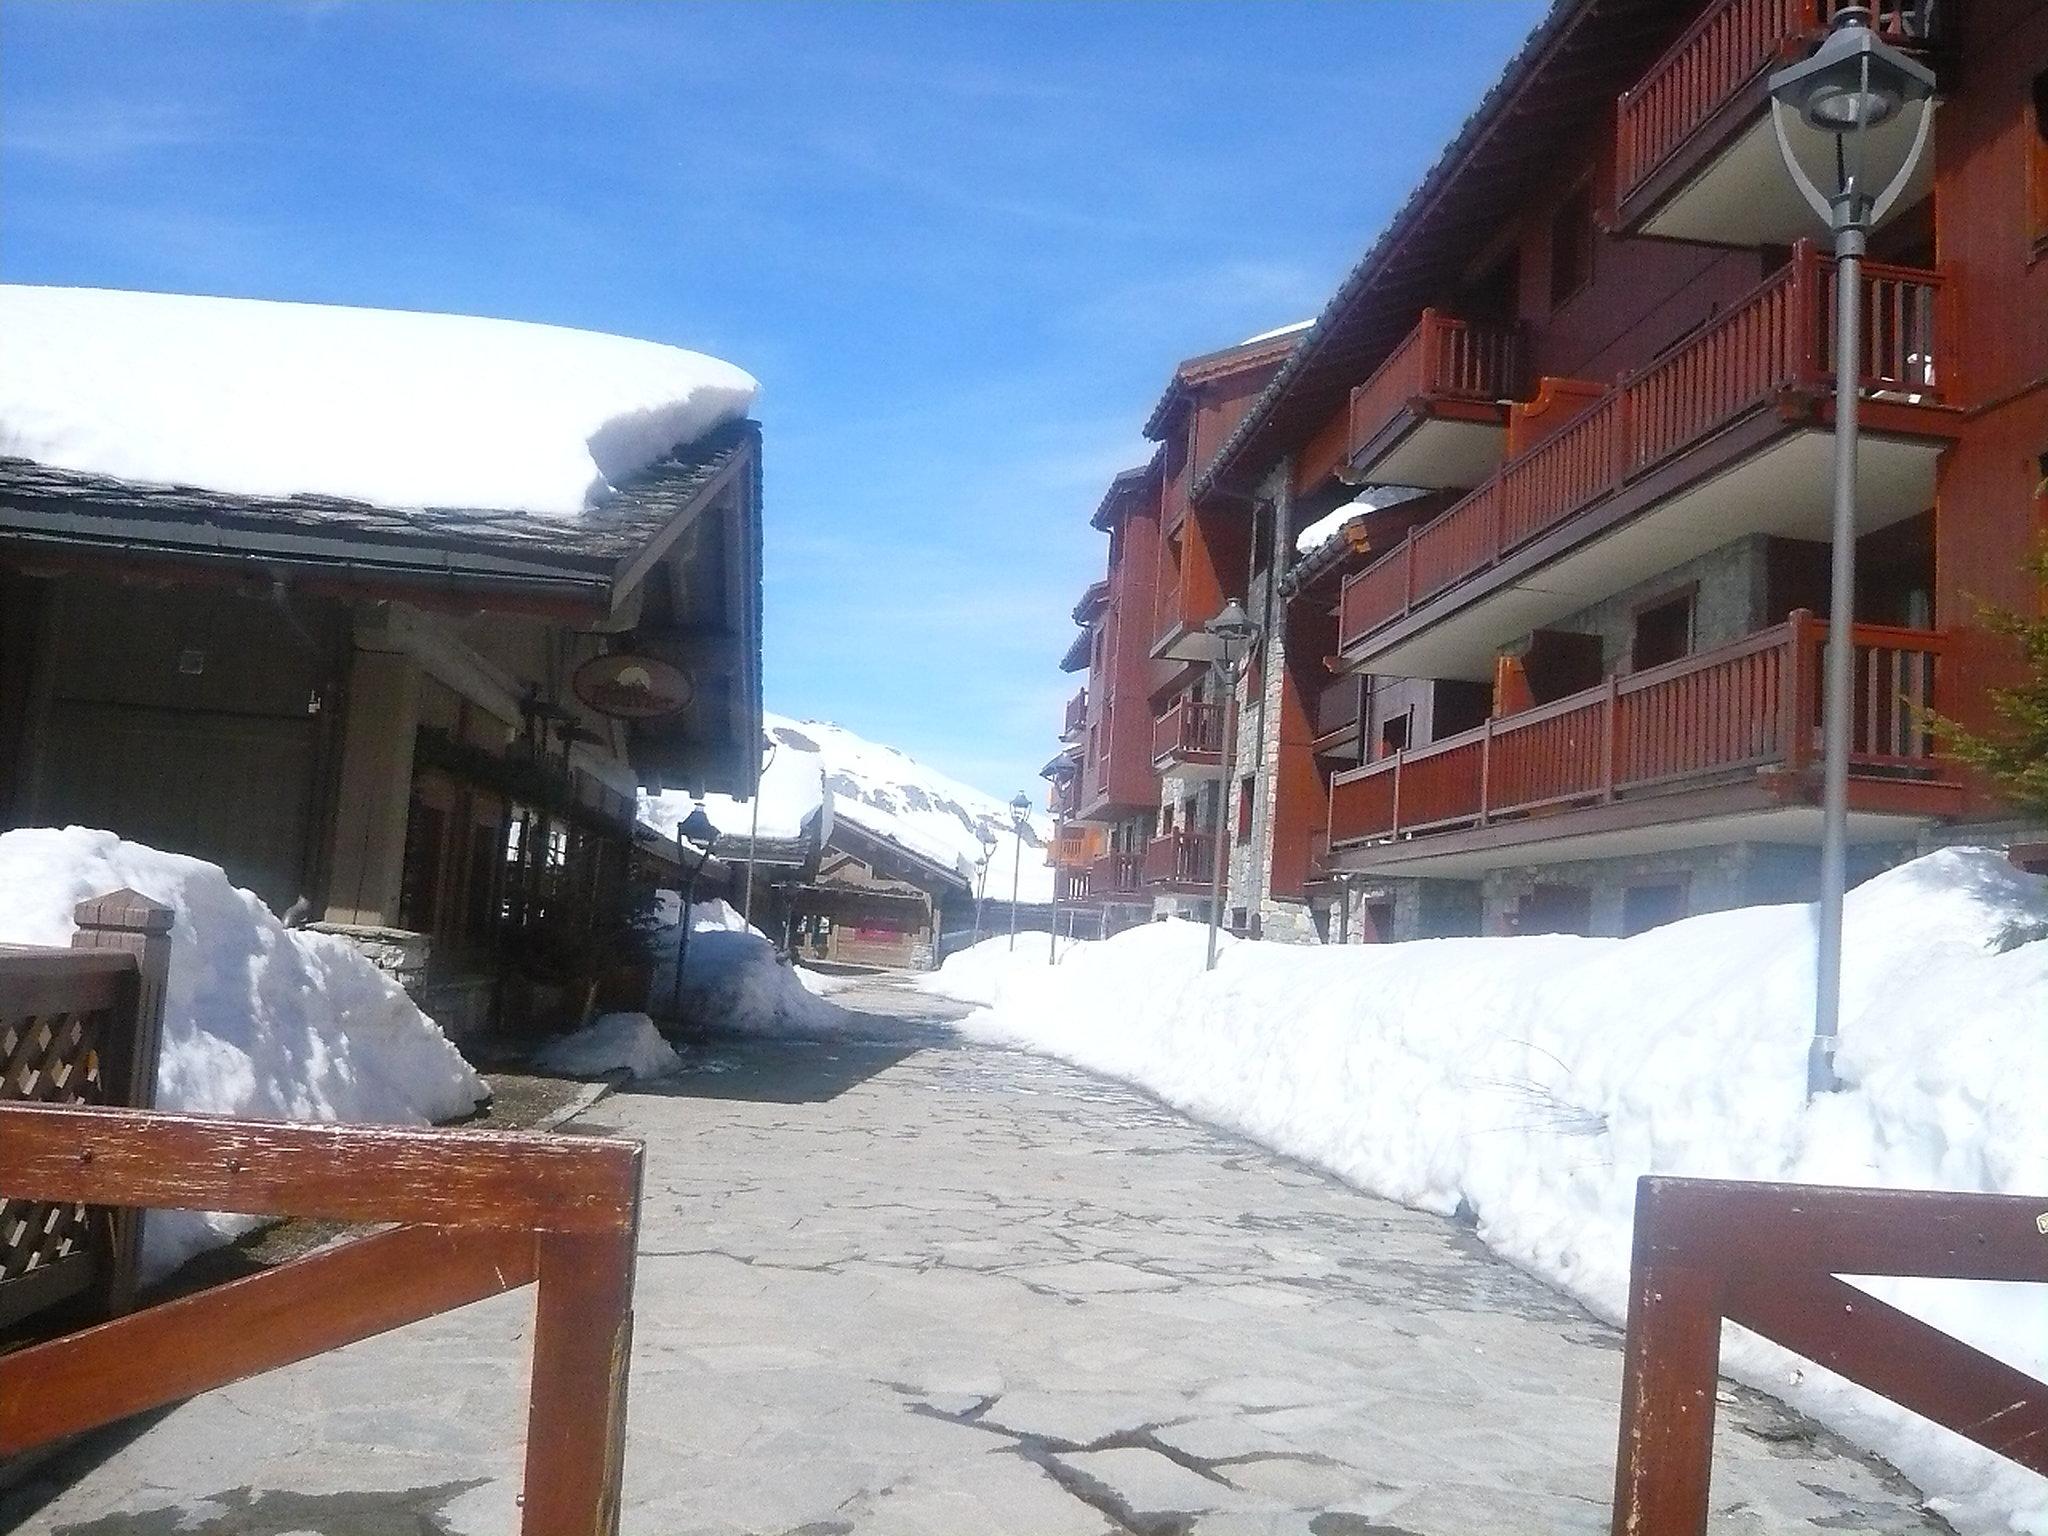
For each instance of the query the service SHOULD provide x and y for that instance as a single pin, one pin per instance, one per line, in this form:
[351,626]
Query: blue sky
[961,245]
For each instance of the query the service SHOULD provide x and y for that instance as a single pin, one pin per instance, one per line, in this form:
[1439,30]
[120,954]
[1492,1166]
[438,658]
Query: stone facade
[1730,592]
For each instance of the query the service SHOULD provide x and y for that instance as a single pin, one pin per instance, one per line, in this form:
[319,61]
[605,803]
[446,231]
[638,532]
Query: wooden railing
[1779,338]
[1076,716]
[1118,875]
[481,1214]
[79,1026]
[1076,884]
[1730,44]
[1770,1257]
[1190,729]
[1749,705]
[1180,858]
[1442,358]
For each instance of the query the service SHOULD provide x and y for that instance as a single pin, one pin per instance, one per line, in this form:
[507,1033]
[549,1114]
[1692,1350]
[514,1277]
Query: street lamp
[1233,631]
[987,835]
[1059,830]
[1854,84]
[1020,818]
[697,828]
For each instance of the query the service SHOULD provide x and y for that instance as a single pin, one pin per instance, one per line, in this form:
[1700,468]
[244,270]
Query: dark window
[2037,158]
[1244,807]
[1571,244]
[1394,732]
[1644,907]
[1379,922]
[1663,632]
[1555,909]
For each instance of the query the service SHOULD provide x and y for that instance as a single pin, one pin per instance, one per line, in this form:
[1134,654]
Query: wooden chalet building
[1573,684]
[873,901]
[420,727]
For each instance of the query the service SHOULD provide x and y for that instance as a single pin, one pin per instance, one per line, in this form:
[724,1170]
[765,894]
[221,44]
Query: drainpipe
[1263,792]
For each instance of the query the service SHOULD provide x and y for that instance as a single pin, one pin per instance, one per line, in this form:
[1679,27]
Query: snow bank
[612,1042]
[980,972]
[1534,1079]
[259,1020]
[400,409]
[734,979]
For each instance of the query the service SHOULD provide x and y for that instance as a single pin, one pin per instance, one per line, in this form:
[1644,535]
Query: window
[1244,807]
[2037,161]
[1644,907]
[1663,631]
[1571,244]
[1394,732]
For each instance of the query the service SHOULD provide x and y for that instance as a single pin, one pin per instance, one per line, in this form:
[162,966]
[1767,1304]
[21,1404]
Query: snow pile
[980,972]
[1534,1079]
[612,1042]
[824,769]
[733,978]
[260,1020]
[404,410]
[1325,528]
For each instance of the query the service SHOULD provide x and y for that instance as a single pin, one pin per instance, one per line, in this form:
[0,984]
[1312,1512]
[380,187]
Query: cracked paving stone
[902,1285]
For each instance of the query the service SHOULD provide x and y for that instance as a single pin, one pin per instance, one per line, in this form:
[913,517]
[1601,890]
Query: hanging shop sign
[628,686]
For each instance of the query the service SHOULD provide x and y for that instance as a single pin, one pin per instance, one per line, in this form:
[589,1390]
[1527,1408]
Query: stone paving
[901,1284]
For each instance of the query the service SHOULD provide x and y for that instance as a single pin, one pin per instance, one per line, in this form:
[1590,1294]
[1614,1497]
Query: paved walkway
[904,1285]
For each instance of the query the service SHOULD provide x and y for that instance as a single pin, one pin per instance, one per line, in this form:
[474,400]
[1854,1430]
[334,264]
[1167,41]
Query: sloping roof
[853,837]
[1078,652]
[450,547]
[1092,602]
[1127,484]
[1562,82]
[1194,372]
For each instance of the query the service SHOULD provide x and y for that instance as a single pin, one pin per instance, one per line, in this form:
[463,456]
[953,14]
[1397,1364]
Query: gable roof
[1192,373]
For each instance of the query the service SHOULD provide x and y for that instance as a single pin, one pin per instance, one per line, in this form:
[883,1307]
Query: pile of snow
[733,978]
[1376,499]
[260,1020]
[612,1042]
[824,769]
[980,972]
[1533,1080]
[404,410]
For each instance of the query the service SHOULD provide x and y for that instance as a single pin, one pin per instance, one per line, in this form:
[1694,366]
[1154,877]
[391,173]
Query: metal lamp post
[988,853]
[1854,83]
[697,828]
[754,835]
[1232,630]
[1020,818]
[1059,829]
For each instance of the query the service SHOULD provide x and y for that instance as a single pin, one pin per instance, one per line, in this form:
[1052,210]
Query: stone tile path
[898,1284]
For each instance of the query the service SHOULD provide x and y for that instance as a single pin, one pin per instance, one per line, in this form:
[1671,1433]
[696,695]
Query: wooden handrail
[483,1212]
[1443,357]
[1767,1256]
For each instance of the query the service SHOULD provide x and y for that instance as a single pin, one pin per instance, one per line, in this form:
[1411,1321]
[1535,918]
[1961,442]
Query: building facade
[1533,519]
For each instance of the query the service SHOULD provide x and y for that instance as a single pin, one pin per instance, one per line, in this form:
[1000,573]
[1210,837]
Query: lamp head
[1234,628]
[1854,81]
[1020,808]
[698,829]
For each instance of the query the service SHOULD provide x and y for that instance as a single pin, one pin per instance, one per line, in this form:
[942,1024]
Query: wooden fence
[478,1214]
[1443,358]
[1189,731]
[1769,1256]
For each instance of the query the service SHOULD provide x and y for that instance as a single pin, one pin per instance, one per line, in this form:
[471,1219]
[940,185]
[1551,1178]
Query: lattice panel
[47,1059]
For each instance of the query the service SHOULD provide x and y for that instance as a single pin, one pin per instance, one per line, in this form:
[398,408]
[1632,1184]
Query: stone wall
[1730,600]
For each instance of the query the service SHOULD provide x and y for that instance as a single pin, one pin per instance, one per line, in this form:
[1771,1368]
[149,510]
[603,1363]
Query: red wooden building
[1573,683]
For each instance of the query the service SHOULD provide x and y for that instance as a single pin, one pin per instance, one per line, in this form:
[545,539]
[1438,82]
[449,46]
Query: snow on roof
[1324,529]
[1277,331]
[884,792]
[261,398]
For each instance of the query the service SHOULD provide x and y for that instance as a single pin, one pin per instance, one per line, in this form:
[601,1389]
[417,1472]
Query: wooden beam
[576,1421]
[104,1156]
[167,1353]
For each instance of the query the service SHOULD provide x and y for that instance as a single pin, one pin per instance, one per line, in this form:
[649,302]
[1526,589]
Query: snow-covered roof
[1326,528]
[397,409]
[1278,330]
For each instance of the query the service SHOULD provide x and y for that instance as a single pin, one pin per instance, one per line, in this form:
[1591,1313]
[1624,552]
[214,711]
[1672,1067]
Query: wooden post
[127,922]
[1408,572]
[1670,1367]
[1485,770]
[576,1414]
[1611,704]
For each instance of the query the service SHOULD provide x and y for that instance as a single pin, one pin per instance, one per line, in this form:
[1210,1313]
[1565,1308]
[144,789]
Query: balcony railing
[1717,56]
[1443,359]
[1075,847]
[1181,859]
[1118,877]
[1779,338]
[1190,732]
[1077,884]
[1340,707]
[1076,716]
[1751,705]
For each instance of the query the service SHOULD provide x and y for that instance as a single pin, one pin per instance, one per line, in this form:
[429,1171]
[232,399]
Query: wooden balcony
[1076,720]
[1435,412]
[1188,739]
[1744,716]
[1076,885]
[1340,715]
[1181,861]
[1695,157]
[1724,435]
[1118,877]
[1076,847]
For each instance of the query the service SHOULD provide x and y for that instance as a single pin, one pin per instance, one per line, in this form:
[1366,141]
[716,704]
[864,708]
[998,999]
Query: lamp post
[1853,84]
[754,835]
[988,852]
[1233,631]
[1020,818]
[697,828]
[1059,829]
